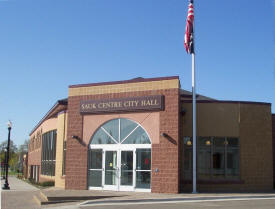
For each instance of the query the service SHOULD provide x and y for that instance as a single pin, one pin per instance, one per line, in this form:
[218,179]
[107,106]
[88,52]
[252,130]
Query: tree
[23,148]
[3,147]
[16,155]
[4,144]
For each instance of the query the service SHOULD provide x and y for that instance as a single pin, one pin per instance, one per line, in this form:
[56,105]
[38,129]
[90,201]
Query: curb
[158,200]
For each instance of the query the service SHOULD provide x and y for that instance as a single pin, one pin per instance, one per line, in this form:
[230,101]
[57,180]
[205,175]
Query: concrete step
[41,199]
[74,198]
[45,197]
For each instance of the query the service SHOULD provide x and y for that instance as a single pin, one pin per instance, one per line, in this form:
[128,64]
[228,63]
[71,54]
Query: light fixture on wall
[189,143]
[208,142]
[75,137]
[164,134]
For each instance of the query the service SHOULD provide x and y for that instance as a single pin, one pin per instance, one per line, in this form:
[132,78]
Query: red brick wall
[273,140]
[34,158]
[164,155]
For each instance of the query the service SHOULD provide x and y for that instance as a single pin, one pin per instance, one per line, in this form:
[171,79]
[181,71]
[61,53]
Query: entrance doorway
[120,166]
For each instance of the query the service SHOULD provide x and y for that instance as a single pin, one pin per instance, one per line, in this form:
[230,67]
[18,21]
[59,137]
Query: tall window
[48,153]
[217,158]
[64,158]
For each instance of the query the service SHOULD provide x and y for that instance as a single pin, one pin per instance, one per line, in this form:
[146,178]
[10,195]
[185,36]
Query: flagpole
[194,125]
[190,48]
[194,111]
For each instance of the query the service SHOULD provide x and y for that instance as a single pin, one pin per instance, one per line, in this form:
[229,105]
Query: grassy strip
[42,185]
[11,173]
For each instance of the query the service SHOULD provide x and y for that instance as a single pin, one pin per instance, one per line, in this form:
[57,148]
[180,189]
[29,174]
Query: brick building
[136,135]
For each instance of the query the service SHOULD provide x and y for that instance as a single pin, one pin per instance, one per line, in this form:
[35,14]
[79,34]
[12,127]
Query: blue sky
[46,45]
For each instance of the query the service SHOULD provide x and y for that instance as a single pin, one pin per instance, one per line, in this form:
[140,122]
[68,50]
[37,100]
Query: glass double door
[118,170]
[111,169]
[127,169]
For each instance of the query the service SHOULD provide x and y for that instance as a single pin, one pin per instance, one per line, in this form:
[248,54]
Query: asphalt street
[250,204]
[21,197]
[221,204]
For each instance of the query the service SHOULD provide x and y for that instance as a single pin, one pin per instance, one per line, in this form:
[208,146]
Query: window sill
[211,181]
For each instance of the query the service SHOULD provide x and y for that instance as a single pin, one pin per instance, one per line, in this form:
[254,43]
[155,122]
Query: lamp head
[9,124]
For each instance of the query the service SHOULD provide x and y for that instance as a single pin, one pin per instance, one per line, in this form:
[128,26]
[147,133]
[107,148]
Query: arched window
[120,131]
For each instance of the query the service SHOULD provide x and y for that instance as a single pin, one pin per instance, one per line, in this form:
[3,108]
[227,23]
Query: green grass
[39,185]
[11,173]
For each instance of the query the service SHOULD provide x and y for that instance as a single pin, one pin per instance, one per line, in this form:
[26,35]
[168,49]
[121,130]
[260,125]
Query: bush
[19,175]
[42,184]
[32,181]
[47,183]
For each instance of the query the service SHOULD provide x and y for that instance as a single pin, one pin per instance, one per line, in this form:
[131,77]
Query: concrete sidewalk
[18,185]
[20,195]
[115,195]
[115,199]
[95,196]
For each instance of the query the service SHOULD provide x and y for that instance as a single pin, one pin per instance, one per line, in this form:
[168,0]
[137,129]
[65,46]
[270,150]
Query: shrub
[47,183]
[20,176]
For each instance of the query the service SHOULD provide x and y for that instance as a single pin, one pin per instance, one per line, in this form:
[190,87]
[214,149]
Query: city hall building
[136,135]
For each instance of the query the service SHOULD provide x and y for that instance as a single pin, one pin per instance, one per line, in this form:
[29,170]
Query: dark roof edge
[59,102]
[135,80]
[227,101]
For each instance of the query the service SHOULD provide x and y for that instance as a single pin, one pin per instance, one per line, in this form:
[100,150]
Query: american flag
[188,37]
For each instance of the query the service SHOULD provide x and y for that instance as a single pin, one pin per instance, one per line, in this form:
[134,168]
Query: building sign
[146,103]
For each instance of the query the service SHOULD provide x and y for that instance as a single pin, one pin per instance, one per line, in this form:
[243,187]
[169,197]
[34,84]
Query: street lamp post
[6,185]
[4,165]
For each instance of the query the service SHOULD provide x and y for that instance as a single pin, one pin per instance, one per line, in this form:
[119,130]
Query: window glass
[95,159]
[187,161]
[48,153]
[95,178]
[110,167]
[139,136]
[217,158]
[219,141]
[143,179]
[232,142]
[112,128]
[205,142]
[126,168]
[129,131]
[64,158]
[101,137]
[143,159]
[126,126]
[187,141]
[233,164]
[204,157]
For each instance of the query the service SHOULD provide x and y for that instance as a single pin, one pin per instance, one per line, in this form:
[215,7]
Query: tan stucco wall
[251,123]
[61,133]
[46,126]
[43,178]
[149,121]
[125,87]
[34,157]
[213,119]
